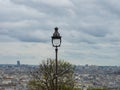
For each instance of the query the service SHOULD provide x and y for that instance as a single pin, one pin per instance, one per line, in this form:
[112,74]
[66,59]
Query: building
[18,63]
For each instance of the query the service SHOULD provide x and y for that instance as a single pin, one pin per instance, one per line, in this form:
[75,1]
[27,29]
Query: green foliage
[35,85]
[77,89]
[97,89]
[43,78]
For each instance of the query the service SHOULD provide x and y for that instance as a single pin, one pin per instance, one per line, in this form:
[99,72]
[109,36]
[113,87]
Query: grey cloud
[90,26]
[13,12]
[5,38]
[83,17]
[54,9]
[112,7]
[25,36]
[97,31]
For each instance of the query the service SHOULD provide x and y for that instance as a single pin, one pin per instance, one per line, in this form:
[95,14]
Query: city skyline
[89,28]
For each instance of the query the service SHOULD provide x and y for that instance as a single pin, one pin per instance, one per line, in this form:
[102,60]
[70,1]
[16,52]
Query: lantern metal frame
[56,36]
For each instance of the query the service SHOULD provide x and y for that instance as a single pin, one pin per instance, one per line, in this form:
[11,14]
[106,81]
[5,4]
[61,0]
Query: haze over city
[90,31]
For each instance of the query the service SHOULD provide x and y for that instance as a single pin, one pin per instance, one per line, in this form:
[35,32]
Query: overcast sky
[90,31]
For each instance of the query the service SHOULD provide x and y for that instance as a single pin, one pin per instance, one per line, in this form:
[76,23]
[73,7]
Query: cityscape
[16,77]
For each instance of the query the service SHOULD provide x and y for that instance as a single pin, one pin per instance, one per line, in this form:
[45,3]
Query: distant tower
[18,63]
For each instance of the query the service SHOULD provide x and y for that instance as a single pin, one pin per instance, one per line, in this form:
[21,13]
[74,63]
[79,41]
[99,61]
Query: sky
[90,31]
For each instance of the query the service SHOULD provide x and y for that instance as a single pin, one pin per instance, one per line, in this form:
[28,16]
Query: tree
[43,78]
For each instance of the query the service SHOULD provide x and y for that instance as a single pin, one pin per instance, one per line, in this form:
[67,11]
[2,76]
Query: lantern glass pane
[56,42]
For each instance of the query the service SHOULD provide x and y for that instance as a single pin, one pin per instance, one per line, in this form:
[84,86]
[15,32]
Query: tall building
[18,63]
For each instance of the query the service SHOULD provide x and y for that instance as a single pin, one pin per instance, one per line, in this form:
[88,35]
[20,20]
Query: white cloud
[11,11]
[61,3]
[27,53]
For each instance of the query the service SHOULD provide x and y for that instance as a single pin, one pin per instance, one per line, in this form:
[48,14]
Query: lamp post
[56,42]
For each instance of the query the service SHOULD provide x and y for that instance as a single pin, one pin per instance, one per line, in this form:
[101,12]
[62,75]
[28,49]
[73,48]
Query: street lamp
[56,42]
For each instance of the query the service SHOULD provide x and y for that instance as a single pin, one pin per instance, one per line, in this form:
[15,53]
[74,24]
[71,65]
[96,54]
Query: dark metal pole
[56,80]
